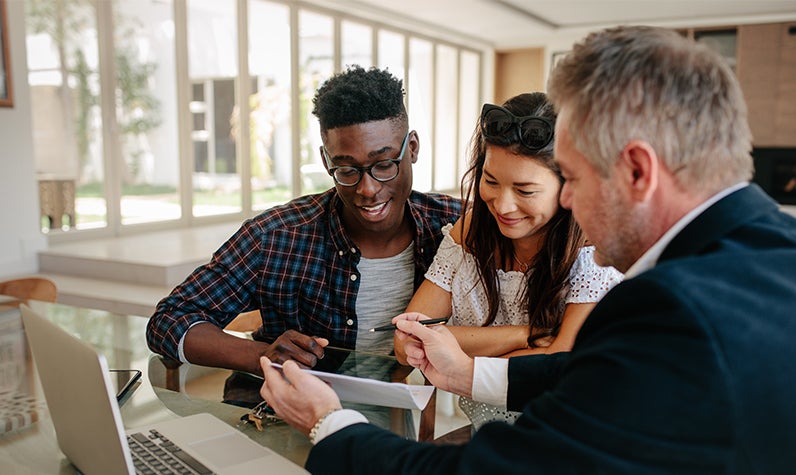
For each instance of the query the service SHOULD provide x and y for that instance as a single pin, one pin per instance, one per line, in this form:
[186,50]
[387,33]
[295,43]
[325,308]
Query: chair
[29,288]
[245,322]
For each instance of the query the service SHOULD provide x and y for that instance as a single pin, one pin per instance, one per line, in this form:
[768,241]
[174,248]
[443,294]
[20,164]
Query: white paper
[377,393]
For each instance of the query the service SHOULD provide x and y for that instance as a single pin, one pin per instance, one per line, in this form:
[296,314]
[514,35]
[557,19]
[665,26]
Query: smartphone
[124,381]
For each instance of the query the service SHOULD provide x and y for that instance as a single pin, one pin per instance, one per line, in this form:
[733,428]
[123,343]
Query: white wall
[20,237]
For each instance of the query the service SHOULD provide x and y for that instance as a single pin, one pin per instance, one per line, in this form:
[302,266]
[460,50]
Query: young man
[323,267]
[685,367]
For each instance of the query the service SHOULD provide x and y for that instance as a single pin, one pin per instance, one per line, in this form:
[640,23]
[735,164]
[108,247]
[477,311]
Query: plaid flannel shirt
[295,264]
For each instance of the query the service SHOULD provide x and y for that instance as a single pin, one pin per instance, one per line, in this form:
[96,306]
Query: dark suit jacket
[688,368]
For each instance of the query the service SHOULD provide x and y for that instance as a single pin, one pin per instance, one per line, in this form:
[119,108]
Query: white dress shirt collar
[648,260]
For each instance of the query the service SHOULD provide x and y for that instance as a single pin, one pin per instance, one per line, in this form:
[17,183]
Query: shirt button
[349,322]
[353,250]
[340,252]
[353,277]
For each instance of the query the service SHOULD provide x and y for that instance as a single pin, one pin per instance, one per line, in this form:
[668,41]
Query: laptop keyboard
[154,454]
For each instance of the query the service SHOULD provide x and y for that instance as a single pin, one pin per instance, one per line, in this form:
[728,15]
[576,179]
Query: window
[270,142]
[469,106]
[64,79]
[213,73]
[421,113]
[160,114]
[391,52]
[357,44]
[146,162]
[316,64]
[446,95]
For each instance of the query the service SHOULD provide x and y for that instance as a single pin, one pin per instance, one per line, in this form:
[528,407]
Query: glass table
[166,390]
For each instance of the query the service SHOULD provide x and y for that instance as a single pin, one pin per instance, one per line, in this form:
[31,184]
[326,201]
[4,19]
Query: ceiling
[504,24]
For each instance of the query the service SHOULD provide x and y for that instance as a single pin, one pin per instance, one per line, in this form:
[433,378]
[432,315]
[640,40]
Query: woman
[514,273]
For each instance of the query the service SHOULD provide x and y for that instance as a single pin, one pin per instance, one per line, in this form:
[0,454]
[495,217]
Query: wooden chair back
[245,322]
[30,288]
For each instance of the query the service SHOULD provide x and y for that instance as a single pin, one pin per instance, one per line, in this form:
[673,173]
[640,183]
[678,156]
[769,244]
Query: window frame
[185,118]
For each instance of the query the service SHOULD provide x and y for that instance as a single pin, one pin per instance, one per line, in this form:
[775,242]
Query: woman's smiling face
[519,191]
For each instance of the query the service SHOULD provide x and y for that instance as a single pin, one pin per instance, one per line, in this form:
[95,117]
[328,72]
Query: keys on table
[262,415]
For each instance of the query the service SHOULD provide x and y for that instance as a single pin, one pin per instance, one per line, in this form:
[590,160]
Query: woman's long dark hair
[549,282]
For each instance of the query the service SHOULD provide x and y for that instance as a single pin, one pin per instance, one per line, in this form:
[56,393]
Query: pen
[432,321]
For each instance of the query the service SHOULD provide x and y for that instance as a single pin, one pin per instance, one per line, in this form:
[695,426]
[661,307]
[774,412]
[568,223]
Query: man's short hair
[356,96]
[652,84]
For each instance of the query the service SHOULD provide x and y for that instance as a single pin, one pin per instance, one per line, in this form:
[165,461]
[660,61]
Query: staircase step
[129,274]
[117,297]
[161,259]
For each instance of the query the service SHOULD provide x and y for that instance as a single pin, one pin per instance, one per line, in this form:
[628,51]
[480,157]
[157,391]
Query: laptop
[88,423]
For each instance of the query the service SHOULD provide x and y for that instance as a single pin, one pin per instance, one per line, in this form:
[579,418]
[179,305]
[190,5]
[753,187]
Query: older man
[687,366]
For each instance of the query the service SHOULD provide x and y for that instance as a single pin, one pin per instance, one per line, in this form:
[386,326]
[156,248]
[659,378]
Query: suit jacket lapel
[722,217]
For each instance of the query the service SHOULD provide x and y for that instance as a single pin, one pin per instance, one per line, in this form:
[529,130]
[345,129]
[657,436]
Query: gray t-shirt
[385,288]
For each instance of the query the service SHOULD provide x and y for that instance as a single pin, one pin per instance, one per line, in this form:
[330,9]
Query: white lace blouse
[454,270]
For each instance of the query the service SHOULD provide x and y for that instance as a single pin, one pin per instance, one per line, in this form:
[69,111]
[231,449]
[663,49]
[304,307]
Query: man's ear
[413,145]
[641,169]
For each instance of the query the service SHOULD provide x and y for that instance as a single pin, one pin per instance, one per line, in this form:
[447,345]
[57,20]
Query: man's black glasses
[383,170]
[500,126]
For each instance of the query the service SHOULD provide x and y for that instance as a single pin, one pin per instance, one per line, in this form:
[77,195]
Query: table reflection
[167,388]
[240,389]
[21,402]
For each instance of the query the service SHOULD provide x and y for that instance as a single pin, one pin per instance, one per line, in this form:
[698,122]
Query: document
[377,393]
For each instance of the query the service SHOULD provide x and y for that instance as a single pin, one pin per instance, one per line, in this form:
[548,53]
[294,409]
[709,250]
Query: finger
[415,362]
[270,378]
[268,370]
[265,363]
[300,348]
[413,328]
[271,374]
[414,350]
[284,351]
[312,346]
[421,363]
[404,336]
[321,341]
[319,396]
[296,376]
[308,344]
[409,316]
[293,372]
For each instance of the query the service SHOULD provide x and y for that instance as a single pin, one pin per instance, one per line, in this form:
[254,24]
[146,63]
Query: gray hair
[652,84]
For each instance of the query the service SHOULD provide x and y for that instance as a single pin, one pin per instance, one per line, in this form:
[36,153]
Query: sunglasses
[500,126]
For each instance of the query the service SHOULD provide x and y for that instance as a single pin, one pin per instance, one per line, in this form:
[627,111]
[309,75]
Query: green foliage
[87,101]
[94,189]
[138,110]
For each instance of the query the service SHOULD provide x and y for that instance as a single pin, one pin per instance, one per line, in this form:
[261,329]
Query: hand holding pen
[427,322]
[435,352]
